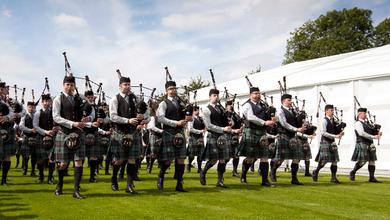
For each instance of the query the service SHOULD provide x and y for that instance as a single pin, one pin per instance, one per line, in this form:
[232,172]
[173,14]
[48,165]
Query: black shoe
[24,172]
[266,183]
[221,184]
[334,180]
[50,180]
[243,180]
[315,176]
[76,195]
[130,189]
[3,182]
[374,180]
[58,191]
[202,179]
[308,174]
[114,187]
[352,176]
[33,174]
[296,182]
[160,183]
[179,188]
[92,180]
[235,173]
[40,181]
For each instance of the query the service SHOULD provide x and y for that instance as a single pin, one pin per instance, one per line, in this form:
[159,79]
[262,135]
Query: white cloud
[6,13]
[69,21]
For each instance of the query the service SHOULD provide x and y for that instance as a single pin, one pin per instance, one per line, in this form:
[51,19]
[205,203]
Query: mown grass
[23,198]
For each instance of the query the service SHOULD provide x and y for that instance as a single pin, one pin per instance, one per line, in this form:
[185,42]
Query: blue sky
[141,37]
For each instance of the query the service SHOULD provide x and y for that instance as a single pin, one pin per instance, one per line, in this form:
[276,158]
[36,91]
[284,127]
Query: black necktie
[71,99]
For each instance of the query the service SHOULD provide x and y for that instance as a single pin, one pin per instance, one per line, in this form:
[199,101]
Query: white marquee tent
[365,74]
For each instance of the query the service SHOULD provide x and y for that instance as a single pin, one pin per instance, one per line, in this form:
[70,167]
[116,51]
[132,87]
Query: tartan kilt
[233,147]
[194,148]
[325,154]
[283,150]
[118,153]
[104,149]
[154,145]
[94,150]
[250,145]
[9,148]
[362,152]
[41,152]
[212,152]
[26,150]
[63,154]
[168,151]
[306,150]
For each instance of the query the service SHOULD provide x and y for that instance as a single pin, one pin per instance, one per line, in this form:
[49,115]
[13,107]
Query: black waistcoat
[173,113]
[291,120]
[258,111]
[330,128]
[361,139]
[218,118]
[28,123]
[70,112]
[46,119]
[126,110]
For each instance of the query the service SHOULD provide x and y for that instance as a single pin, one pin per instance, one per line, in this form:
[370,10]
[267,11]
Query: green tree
[334,33]
[382,33]
[197,83]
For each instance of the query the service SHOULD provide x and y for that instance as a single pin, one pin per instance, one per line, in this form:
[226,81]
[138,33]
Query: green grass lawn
[23,198]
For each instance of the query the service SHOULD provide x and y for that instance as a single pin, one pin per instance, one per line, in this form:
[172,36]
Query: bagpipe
[371,119]
[233,117]
[303,118]
[338,121]
[273,130]
[184,100]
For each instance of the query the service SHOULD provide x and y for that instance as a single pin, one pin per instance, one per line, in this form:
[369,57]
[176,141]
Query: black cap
[254,89]
[69,79]
[329,106]
[214,91]
[285,96]
[169,84]
[2,84]
[88,93]
[45,97]
[124,80]
[196,107]
[30,103]
[362,110]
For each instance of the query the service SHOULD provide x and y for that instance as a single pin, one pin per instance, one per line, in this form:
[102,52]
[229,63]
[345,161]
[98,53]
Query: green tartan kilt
[118,153]
[284,151]
[168,151]
[105,150]
[41,152]
[194,148]
[325,153]
[250,145]
[305,148]
[362,152]
[94,150]
[8,148]
[155,144]
[212,152]
[233,147]
[63,154]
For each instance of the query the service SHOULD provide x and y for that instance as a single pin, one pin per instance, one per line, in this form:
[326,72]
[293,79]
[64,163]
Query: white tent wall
[365,74]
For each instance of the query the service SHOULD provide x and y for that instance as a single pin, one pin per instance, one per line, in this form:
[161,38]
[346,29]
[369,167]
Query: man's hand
[227,129]
[181,123]
[269,123]
[133,121]
[86,119]
[79,125]
[301,130]
[140,117]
